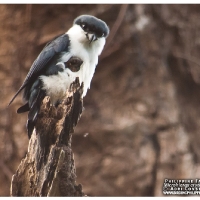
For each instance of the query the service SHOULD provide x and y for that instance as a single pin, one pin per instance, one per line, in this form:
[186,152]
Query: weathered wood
[48,168]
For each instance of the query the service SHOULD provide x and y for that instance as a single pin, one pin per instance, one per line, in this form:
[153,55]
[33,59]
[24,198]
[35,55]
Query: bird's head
[93,27]
[89,29]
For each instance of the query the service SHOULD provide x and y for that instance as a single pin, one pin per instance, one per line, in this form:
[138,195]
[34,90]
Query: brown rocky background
[141,121]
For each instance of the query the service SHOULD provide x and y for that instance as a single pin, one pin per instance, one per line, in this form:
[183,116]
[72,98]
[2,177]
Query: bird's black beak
[91,37]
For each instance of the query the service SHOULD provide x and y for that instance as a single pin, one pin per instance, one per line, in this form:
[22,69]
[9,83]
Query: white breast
[57,85]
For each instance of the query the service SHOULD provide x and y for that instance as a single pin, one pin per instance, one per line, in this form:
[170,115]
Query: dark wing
[57,45]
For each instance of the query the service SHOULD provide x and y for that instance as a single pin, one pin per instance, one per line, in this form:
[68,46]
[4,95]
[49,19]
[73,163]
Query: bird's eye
[84,26]
[74,64]
[100,34]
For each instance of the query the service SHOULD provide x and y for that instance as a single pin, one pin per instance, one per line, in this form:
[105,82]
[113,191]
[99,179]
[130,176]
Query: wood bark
[48,168]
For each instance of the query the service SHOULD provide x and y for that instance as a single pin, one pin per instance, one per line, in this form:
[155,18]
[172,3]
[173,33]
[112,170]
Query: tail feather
[38,96]
[32,117]
[23,108]
[30,127]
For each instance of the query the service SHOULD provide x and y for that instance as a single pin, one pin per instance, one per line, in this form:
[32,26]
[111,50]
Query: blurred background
[141,121]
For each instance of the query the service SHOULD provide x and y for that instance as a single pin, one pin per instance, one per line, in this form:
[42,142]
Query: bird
[66,57]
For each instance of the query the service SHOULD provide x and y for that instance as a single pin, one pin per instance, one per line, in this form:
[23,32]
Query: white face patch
[57,85]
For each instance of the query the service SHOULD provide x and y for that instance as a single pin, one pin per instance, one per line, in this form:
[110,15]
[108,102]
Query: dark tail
[33,105]
[23,108]
[34,111]
[35,97]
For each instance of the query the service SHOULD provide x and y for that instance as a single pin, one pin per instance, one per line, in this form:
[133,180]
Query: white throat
[78,36]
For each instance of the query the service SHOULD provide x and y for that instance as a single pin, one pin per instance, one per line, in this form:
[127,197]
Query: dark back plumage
[54,47]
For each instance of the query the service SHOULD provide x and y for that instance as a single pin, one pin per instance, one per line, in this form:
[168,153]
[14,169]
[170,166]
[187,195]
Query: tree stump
[48,168]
